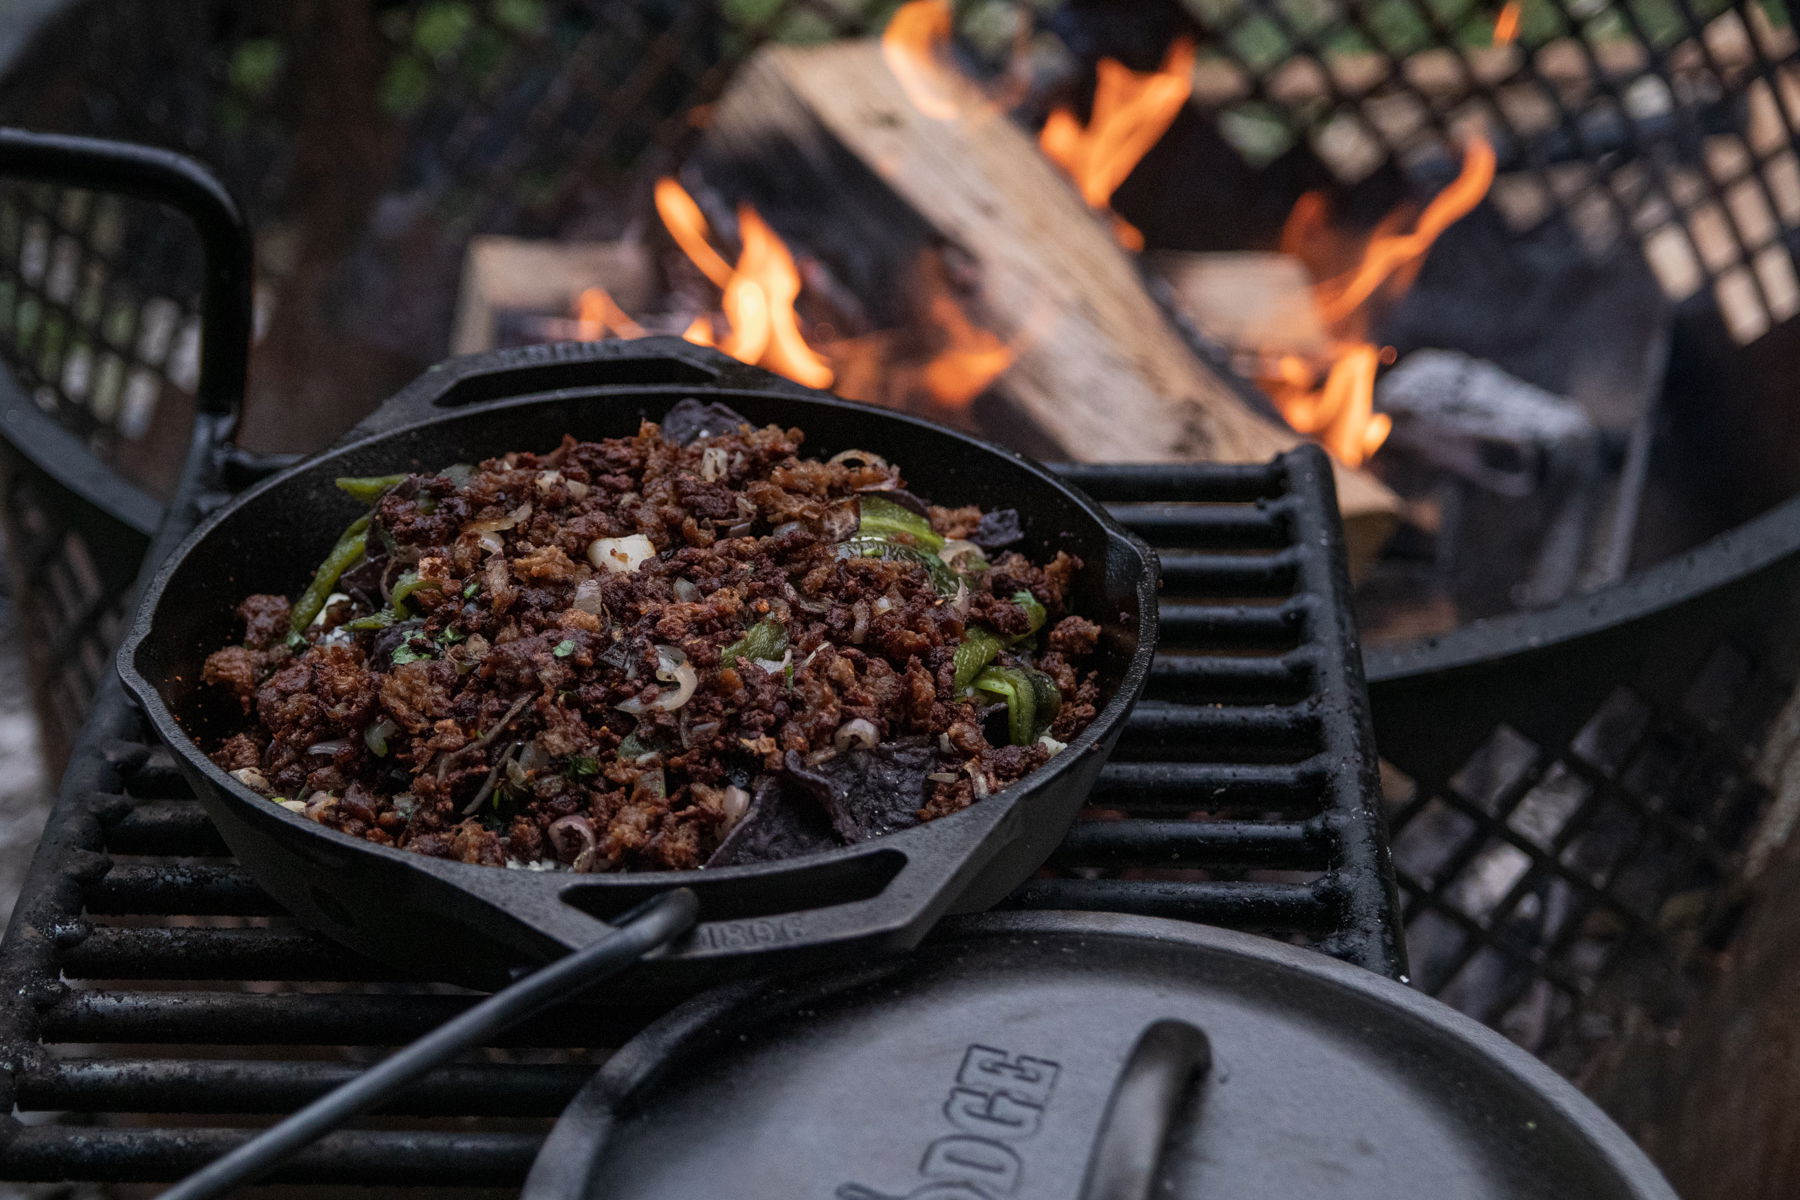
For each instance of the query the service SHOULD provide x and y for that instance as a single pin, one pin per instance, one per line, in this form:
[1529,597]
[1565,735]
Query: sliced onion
[572,837]
[589,597]
[882,604]
[738,529]
[980,783]
[862,458]
[548,479]
[776,666]
[942,777]
[331,747]
[686,591]
[293,806]
[253,779]
[859,629]
[325,608]
[841,520]
[621,555]
[1052,745]
[492,544]
[858,733]
[944,744]
[376,736]
[736,804]
[498,524]
[534,757]
[672,666]
[577,489]
[960,548]
[959,603]
[712,463]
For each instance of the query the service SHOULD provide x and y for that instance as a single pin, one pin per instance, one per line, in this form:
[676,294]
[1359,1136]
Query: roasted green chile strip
[368,488]
[349,548]
[765,640]
[883,518]
[980,644]
[1032,700]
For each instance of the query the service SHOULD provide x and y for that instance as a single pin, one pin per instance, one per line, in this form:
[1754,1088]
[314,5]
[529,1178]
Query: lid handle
[1151,1086]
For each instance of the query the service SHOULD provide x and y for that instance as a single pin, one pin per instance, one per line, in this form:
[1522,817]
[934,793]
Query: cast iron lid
[1061,1056]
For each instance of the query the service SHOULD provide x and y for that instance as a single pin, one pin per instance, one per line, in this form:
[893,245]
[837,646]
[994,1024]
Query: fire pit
[1404,231]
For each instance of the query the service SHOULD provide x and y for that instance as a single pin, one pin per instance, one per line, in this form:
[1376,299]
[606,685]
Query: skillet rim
[418,405]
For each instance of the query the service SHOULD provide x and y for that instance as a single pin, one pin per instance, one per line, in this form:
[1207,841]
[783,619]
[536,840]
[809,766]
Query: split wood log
[824,142]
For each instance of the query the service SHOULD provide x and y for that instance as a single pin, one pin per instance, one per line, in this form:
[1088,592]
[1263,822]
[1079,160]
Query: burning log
[826,144]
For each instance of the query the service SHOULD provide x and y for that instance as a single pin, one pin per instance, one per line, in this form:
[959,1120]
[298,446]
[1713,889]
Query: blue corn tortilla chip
[998,529]
[777,825]
[868,793]
[690,420]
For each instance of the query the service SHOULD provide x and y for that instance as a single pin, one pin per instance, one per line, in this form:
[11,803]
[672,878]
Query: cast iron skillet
[475,924]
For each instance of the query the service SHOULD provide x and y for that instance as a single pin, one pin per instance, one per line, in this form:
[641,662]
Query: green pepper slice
[882,518]
[766,639]
[350,546]
[367,488]
[1032,700]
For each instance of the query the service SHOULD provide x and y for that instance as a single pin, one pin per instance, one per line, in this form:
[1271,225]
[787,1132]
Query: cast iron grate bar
[146,975]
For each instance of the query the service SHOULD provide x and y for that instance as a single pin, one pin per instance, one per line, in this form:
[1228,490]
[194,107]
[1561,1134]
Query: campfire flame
[1401,255]
[759,291]
[971,357]
[916,46]
[1506,25]
[1340,413]
[597,315]
[949,360]
[1131,112]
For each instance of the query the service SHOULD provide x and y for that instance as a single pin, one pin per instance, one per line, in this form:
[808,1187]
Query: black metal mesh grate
[151,992]
[1574,837]
[1669,125]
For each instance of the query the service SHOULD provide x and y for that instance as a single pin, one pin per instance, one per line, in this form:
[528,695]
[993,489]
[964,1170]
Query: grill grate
[1581,799]
[1242,794]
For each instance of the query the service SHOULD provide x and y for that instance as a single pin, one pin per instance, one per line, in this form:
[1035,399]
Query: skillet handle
[478,379]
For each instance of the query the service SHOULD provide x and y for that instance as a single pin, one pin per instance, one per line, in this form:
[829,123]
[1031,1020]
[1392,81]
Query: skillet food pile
[692,647]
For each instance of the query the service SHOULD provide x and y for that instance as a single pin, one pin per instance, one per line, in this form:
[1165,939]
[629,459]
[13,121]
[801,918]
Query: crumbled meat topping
[501,688]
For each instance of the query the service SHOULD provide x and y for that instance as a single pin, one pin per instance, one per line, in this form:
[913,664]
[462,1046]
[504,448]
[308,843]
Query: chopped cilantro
[473,587]
[406,654]
[451,636]
[583,765]
[564,648]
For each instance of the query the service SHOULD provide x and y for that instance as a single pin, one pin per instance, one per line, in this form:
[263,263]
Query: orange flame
[972,357]
[945,356]
[759,291]
[1340,414]
[916,46]
[1389,254]
[1506,25]
[1131,112]
[598,314]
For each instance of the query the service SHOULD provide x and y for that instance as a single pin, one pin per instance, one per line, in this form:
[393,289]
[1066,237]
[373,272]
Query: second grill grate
[1242,794]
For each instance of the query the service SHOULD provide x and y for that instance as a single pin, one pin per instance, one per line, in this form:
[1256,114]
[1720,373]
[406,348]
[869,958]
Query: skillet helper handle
[1142,1109]
[148,173]
[476,379]
[636,934]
